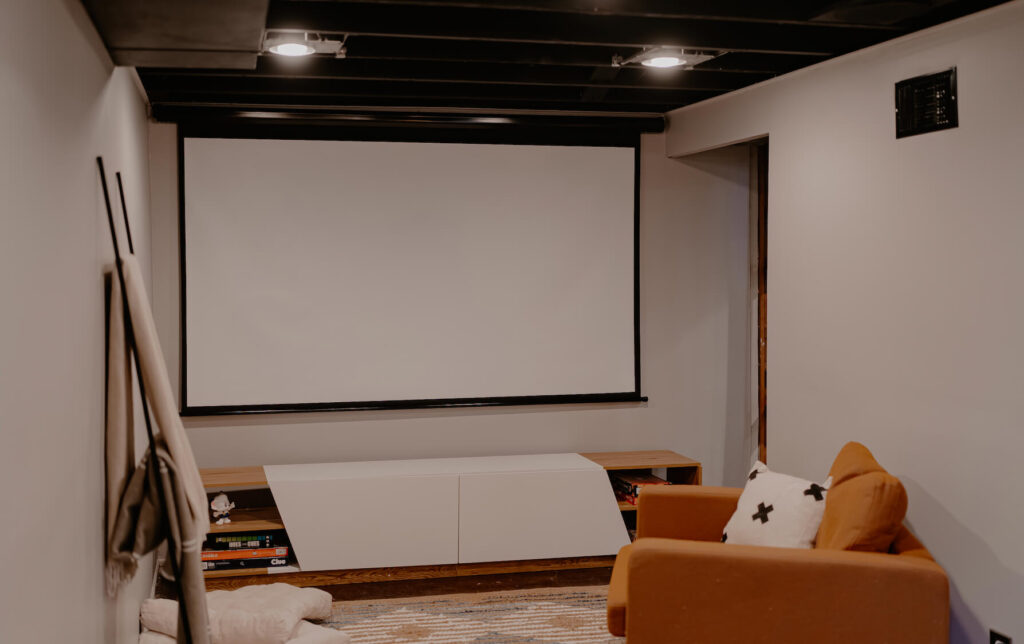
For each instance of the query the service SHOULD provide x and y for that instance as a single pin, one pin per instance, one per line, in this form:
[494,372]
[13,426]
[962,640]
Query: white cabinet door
[538,515]
[370,521]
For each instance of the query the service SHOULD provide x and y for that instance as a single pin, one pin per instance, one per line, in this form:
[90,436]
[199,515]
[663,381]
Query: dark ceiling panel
[194,33]
[489,57]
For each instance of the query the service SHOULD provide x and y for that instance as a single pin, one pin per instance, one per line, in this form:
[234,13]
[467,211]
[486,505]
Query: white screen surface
[346,271]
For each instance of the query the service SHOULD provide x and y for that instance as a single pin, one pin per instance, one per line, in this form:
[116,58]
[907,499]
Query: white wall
[894,309]
[61,105]
[693,314]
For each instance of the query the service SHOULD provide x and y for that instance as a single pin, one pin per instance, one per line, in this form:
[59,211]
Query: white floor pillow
[305,633]
[777,510]
[263,614]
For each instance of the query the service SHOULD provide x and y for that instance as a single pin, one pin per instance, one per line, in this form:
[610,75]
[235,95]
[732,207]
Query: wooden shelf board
[533,565]
[640,460]
[251,572]
[254,476]
[250,520]
[228,579]
[626,507]
[222,477]
[329,577]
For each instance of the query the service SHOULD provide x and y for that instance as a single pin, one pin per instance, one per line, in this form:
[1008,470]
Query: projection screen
[375,274]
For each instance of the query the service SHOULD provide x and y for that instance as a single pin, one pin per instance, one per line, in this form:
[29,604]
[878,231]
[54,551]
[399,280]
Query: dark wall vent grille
[926,104]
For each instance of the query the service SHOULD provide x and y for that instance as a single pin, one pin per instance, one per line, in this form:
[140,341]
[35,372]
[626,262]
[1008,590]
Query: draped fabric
[163,495]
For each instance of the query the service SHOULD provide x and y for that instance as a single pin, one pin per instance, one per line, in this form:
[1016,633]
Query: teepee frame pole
[130,333]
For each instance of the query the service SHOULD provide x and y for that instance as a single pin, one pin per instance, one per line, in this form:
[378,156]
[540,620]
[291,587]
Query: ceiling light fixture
[663,61]
[303,43]
[291,49]
[663,57]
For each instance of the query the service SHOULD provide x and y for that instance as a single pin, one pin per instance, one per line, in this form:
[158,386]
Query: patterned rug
[561,615]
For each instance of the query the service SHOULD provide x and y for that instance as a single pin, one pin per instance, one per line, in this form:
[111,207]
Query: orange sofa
[678,583]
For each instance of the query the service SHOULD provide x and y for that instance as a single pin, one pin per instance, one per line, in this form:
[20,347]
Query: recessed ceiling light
[291,49]
[663,57]
[303,43]
[663,61]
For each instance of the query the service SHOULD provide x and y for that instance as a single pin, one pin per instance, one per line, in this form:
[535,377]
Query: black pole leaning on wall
[124,213]
[133,346]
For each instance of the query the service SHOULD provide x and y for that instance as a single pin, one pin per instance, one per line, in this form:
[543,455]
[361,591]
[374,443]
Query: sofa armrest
[694,512]
[714,592]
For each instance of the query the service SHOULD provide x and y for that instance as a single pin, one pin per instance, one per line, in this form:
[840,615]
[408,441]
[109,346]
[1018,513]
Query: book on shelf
[245,541]
[630,483]
[254,553]
[625,498]
[236,564]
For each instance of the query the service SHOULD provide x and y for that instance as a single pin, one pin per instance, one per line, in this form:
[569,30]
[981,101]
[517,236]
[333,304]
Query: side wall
[894,315]
[60,106]
[694,241]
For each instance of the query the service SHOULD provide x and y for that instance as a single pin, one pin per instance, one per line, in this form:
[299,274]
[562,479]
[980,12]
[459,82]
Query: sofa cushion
[617,593]
[852,461]
[908,545]
[865,506]
[776,510]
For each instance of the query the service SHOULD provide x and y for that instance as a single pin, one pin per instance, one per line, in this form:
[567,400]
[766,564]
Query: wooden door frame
[762,298]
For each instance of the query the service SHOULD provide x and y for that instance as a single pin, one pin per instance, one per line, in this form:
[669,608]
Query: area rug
[561,615]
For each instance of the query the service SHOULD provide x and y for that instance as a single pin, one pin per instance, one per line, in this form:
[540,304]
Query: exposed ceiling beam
[744,62]
[626,31]
[375,103]
[792,11]
[315,92]
[332,72]
[517,53]
[359,122]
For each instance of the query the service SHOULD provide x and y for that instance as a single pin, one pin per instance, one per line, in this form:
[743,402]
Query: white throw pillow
[777,510]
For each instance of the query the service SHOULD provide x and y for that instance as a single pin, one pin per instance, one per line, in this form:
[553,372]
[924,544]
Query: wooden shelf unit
[679,469]
[250,520]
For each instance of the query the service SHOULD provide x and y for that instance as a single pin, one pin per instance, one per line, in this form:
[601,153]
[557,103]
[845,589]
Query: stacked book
[627,485]
[232,551]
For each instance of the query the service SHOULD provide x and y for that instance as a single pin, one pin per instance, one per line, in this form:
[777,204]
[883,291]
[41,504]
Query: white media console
[446,511]
[374,520]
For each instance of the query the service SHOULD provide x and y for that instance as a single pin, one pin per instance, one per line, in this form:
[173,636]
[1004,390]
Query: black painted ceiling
[504,56]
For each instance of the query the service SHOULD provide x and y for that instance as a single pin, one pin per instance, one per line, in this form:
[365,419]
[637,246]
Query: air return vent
[926,104]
